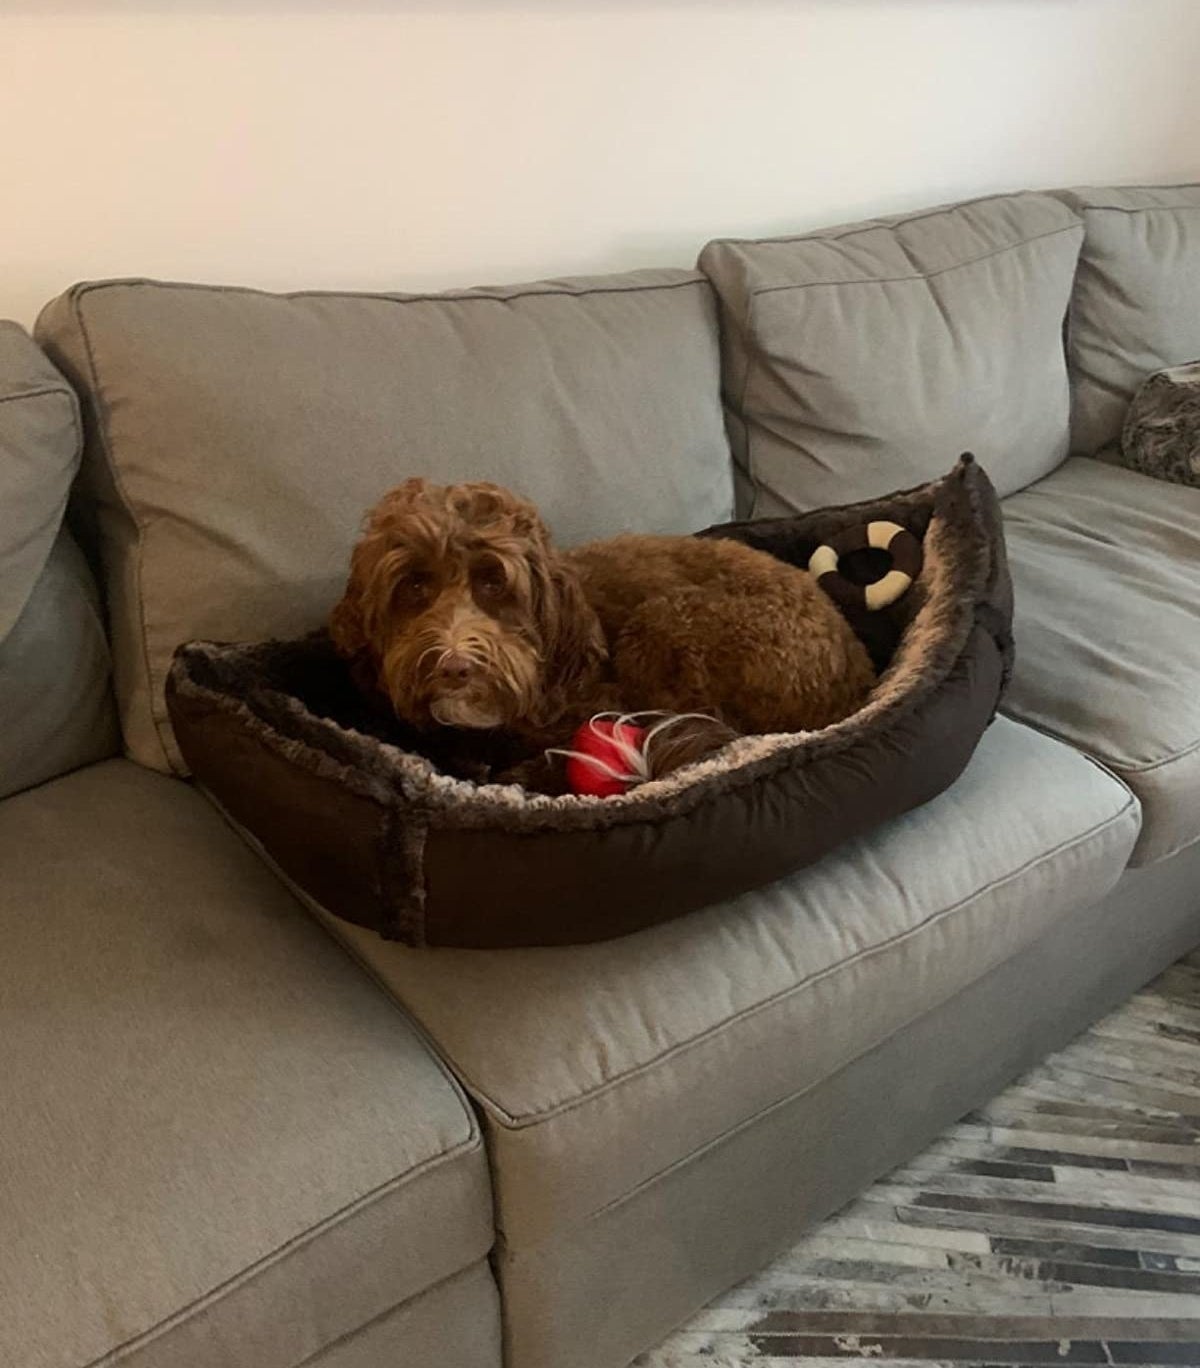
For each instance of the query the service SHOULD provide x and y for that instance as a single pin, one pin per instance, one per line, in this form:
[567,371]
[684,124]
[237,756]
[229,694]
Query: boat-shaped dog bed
[374,832]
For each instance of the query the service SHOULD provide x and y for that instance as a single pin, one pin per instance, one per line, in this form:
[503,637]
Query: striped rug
[1059,1224]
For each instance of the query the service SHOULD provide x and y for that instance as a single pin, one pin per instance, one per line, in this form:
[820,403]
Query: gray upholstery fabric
[39,454]
[596,1293]
[236,438]
[55,700]
[56,703]
[220,1145]
[682,1033]
[1106,569]
[1136,304]
[866,358]
[455,1324]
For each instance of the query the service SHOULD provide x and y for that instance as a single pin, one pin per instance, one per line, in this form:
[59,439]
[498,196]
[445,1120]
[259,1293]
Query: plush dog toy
[903,549]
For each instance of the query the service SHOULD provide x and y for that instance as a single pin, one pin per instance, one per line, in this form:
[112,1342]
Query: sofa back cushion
[1136,304]
[39,454]
[235,437]
[55,699]
[56,704]
[864,358]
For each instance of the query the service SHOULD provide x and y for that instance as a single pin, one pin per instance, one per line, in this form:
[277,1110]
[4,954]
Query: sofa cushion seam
[444,297]
[1143,209]
[749,428]
[106,447]
[52,391]
[1109,762]
[42,392]
[525,1120]
[777,1103]
[221,1291]
[920,216]
[1149,766]
[1169,854]
[307,904]
[924,275]
[349,1336]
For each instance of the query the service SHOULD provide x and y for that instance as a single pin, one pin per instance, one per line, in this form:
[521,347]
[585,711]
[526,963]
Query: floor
[1059,1224]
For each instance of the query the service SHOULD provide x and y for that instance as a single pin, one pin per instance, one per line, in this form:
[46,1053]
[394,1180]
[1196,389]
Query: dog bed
[374,832]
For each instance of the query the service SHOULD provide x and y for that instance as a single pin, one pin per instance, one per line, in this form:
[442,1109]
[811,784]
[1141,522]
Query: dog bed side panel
[493,888]
[344,848]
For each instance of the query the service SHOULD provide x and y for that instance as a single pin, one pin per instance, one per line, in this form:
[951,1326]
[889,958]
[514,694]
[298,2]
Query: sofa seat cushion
[235,438]
[1106,568]
[220,1144]
[599,1067]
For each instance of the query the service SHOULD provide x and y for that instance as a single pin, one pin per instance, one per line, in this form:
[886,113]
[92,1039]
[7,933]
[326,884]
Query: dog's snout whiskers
[431,650]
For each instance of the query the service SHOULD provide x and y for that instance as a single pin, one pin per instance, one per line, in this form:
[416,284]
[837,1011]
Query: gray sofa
[227,1142]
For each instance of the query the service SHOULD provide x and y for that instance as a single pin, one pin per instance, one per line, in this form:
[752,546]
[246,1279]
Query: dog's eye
[489,581]
[413,583]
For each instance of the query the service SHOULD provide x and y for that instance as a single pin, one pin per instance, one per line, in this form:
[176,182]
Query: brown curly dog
[461,614]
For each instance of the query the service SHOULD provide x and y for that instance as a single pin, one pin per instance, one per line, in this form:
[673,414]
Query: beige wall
[408,145]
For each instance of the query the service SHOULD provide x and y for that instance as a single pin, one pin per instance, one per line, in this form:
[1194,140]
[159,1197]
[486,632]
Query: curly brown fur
[461,613]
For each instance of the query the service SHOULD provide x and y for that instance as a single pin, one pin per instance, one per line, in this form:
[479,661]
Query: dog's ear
[572,640]
[352,619]
[348,622]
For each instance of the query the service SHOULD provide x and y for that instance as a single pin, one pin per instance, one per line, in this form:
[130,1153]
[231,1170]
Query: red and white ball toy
[610,753]
[607,757]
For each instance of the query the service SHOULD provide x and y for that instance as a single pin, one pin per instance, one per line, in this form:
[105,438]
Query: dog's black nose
[455,668]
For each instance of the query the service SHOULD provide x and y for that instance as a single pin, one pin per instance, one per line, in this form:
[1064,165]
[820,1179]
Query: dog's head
[460,611]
